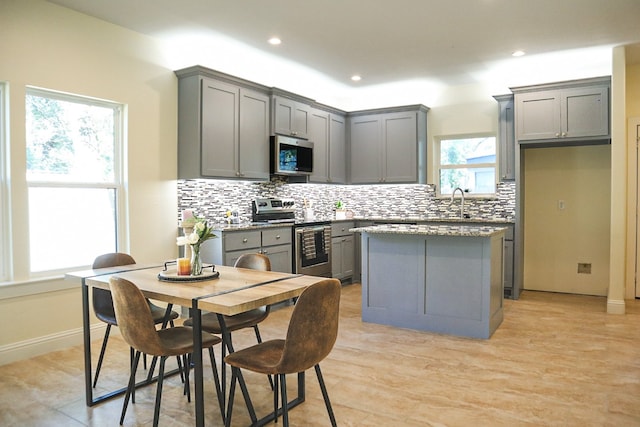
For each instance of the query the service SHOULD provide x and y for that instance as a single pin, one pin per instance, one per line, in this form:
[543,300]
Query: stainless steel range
[311,240]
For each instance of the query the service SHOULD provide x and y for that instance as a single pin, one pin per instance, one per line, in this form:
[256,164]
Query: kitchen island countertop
[432,230]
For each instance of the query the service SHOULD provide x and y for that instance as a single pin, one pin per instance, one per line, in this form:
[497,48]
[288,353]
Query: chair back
[254,262]
[134,317]
[102,302]
[313,327]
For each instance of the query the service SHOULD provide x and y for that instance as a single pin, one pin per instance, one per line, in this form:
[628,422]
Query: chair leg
[232,392]
[102,350]
[285,403]
[259,339]
[236,376]
[275,398]
[325,395]
[216,380]
[131,387]
[187,365]
[156,412]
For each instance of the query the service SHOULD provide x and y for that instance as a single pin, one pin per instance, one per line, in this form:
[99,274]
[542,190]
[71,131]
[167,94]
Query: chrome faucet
[461,200]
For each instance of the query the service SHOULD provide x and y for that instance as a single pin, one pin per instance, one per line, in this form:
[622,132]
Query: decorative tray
[172,275]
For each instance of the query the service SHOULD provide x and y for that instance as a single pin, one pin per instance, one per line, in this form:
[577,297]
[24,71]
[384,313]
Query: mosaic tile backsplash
[212,199]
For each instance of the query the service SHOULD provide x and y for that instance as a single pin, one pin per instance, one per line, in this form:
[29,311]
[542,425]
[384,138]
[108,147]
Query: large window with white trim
[466,162]
[74,178]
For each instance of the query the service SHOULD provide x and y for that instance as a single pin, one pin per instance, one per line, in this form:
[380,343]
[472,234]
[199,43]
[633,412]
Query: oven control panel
[270,205]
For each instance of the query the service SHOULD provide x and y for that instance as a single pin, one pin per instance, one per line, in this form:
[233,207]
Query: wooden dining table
[234,291]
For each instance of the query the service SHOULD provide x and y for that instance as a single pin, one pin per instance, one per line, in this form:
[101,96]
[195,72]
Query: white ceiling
[442,42]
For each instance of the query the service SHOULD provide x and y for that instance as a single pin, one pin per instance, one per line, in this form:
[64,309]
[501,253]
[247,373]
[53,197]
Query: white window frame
[438,165]
[119,168]
[5,242]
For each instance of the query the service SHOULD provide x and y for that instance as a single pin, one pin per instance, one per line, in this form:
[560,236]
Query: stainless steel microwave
[291,156]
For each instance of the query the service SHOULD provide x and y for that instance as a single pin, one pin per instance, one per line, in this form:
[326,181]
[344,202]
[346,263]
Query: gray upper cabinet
[327,132]
[506,137]
[223,128]
[290,117]
[388,147]
[563,113]
[337,148]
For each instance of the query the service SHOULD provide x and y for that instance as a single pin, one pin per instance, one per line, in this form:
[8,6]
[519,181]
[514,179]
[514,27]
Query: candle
[184,266]
[187,214]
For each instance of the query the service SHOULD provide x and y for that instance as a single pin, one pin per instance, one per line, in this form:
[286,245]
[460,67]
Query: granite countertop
[433,230]
[435,219]
[247,226]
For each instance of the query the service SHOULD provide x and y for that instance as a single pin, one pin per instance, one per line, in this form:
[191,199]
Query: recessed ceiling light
[275,41]
[356,78]
[518,53]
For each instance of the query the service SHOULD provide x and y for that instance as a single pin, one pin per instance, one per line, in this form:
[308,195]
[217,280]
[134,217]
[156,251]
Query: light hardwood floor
[556,360]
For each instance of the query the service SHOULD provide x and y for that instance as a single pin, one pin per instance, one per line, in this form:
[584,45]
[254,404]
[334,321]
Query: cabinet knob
[245,240]
[277,236]
[564,134]
[264,252]
[557,135]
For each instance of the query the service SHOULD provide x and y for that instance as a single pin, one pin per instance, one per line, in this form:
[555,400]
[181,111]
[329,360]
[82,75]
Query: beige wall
[51,47]
[556,240]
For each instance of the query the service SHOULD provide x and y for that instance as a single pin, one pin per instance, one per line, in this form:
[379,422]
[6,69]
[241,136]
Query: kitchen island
[440,278]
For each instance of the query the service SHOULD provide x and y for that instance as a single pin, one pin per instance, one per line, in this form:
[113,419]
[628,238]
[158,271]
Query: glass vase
[196,262]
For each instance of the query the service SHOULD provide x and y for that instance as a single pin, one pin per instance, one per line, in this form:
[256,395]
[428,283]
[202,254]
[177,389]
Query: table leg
[196,315]
[86,332]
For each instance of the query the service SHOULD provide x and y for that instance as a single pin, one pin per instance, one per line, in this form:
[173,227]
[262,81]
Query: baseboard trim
[45,344]
[615,306]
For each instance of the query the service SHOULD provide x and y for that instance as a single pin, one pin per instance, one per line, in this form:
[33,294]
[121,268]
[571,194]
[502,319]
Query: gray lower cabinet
[563,113]
[388,146]
[509,260]
[342,250]
[440,283]
[506,138]
[276,243]
[327,131]
[223,127]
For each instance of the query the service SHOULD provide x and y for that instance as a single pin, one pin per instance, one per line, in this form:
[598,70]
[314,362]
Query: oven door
[313,250]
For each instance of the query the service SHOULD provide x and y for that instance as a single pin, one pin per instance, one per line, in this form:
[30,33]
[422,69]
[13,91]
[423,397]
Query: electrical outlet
[584,268]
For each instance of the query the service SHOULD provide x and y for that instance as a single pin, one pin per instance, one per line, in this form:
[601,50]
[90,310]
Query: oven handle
[316,228]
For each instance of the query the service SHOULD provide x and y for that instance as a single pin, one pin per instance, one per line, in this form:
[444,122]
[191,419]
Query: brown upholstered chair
[248,319]
[103,304]
[138,330]
[312,332]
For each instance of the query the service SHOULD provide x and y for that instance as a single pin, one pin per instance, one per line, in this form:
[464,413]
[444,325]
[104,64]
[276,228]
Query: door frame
[633,208]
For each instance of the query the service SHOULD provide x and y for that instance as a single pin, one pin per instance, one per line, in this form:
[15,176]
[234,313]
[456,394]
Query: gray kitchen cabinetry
[230,245]
[564,113]
[510,291]
[223,126]
[506,138]
[342,250]
[327,131]
[388,145]
[290,116]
